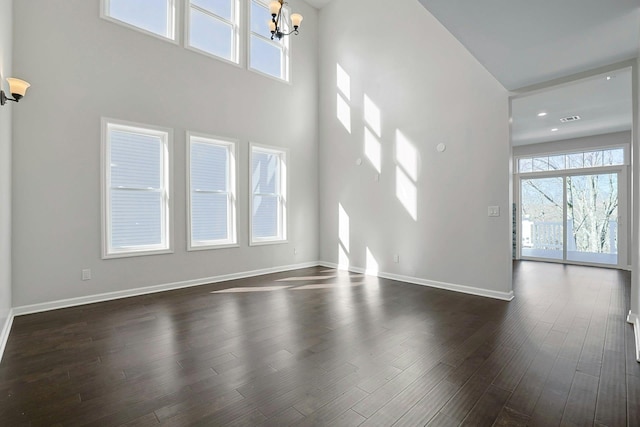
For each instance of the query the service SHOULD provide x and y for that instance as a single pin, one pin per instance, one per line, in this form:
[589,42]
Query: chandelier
[276,24]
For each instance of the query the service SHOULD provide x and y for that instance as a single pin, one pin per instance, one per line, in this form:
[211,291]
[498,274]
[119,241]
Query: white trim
[4,334]
[505,296]
[634,319]
[166,136]
[91,299]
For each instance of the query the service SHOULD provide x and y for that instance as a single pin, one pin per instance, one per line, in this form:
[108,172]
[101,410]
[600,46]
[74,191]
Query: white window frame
[281,44]
[623,193]
[172,19]
[624,147]
[235,23]
[283,184]
[166,136]
[232,190]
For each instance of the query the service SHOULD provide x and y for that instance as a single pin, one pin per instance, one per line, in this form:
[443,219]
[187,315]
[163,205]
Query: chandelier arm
[294,31]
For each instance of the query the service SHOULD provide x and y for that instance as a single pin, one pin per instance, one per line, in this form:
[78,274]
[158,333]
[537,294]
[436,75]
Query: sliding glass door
[592,218]
[572,218]
[542,218]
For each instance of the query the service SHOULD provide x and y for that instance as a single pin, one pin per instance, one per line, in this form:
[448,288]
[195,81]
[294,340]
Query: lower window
[212,193]
[268,195]
[136,204]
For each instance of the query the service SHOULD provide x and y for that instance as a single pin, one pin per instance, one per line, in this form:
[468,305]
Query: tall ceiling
[527,42]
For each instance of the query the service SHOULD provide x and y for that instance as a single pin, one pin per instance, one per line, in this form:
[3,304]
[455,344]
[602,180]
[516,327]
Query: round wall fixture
[358,161]
[441,147]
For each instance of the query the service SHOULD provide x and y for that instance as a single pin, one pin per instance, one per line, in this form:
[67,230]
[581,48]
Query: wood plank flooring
[321,347]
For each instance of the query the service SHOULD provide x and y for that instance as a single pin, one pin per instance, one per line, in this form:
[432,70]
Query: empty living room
[319,212]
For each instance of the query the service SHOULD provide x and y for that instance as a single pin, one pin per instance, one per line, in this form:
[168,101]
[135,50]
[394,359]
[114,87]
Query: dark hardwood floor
[320,347]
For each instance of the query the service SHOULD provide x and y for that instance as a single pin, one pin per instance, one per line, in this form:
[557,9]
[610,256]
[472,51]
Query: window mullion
[214,15]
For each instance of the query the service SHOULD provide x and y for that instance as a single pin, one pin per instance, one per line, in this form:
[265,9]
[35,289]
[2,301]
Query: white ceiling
[603,105]
[527,42]
[317,3]
[523,43]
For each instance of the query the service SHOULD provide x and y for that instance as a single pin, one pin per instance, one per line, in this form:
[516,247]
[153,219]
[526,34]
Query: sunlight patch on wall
[343,81]
[407,161]
[373,149]
[407,155]
[343,112]
[407,193]
[343,227]
[372,265]
[372,116]
[343,237]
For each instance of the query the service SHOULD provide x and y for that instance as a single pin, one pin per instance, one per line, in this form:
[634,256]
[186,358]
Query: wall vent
[569,119]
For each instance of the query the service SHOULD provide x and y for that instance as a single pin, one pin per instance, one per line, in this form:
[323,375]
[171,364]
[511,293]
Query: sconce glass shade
[274,7]
[296,19]
[17,88]
[272,26]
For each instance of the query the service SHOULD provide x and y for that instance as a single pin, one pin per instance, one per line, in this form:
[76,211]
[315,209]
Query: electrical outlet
[396,258]
[86,274]
[494,210]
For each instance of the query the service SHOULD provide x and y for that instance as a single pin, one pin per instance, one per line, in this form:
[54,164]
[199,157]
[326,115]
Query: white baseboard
[634,319]
[4,333]
[505,296]
[90,299]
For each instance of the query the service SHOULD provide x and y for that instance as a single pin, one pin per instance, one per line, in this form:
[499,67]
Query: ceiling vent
[570,119]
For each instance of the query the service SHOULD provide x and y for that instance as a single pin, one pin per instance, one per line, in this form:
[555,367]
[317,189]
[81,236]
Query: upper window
[213,27]
[135,190]
[265,55]
[212,198]
[577,160]
[154,16]
[268,195]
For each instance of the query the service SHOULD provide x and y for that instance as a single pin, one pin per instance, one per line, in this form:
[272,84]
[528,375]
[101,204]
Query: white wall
[83,68]
[6,40]
[635,162]
[432,90]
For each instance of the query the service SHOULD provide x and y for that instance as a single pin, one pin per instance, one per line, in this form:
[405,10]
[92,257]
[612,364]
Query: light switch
[494,210]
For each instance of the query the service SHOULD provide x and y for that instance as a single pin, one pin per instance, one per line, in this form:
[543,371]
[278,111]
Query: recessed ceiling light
[542,114]
[554,130]
[610,77]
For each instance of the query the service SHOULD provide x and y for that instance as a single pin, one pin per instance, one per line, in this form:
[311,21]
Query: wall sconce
[17,88]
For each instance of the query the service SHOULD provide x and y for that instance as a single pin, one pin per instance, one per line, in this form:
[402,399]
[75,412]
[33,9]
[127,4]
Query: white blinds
[211,192]
[136,190]
[266,215]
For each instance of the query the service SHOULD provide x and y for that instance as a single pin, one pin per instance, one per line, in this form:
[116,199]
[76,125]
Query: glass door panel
[542,231]
[592,218]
